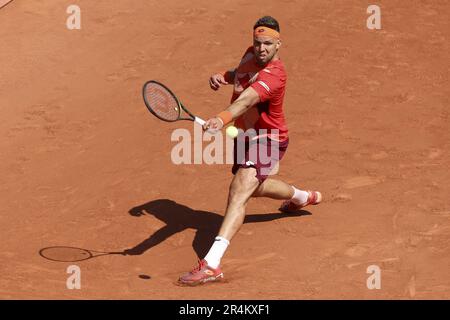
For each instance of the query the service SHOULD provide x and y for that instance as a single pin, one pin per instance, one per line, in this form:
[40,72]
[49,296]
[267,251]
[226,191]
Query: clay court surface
[83,163]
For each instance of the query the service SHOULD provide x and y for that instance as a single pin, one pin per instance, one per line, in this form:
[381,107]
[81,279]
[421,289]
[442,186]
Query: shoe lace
[199,267]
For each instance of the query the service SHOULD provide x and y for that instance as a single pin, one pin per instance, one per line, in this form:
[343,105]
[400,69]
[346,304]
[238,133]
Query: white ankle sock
[299,196]
[216,252]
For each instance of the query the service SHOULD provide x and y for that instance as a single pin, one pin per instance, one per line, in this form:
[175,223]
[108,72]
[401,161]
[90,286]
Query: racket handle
[199,121]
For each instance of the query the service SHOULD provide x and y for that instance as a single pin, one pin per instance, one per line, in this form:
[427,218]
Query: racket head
[161,101]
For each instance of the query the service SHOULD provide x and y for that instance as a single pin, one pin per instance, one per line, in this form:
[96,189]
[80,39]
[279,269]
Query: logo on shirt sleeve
[265,86]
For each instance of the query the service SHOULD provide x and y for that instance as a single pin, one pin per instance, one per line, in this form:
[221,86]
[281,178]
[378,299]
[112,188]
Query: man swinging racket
[257,103]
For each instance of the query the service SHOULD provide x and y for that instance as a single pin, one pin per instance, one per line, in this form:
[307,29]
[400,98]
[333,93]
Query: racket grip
[199,121]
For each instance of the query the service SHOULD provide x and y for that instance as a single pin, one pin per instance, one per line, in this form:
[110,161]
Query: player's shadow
[178,217]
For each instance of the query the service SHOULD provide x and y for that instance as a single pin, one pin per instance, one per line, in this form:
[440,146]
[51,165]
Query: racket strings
[162,102]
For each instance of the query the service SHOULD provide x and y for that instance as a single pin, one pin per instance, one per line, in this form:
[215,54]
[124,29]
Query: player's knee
[237,195]
[243,185]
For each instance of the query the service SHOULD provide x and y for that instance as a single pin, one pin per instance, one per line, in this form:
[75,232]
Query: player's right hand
[216,81]
[213,125]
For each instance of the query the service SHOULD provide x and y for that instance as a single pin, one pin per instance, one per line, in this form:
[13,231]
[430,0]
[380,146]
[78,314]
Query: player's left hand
[216,81]
[213,125]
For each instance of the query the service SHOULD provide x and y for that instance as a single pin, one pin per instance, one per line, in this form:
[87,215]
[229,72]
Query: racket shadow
[72,254]
[178,218]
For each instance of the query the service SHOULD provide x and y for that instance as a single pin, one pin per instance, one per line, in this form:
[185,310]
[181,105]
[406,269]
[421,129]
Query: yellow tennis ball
[232,132]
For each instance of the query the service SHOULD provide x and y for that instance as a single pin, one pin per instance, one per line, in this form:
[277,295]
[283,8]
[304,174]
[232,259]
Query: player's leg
[295,199]
[280,190]
[241,189]
[277,189]
[274,189]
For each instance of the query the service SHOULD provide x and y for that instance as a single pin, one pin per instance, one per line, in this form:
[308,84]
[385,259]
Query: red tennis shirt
[270,84]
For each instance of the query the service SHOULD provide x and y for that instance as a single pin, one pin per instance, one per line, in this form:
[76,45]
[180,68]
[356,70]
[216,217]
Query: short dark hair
[269,22]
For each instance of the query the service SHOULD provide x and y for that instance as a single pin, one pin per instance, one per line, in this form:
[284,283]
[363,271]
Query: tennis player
[257,103]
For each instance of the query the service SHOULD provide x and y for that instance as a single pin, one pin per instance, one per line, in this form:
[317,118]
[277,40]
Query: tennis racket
[163,103]
[72,254]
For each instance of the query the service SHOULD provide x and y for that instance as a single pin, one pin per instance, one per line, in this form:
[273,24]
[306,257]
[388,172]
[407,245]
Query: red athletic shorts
[262,154]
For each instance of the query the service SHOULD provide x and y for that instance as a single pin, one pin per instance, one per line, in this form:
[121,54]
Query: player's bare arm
[248,98]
